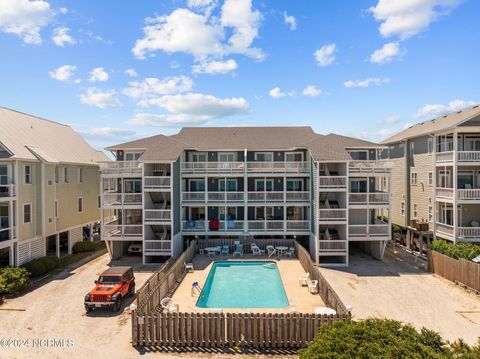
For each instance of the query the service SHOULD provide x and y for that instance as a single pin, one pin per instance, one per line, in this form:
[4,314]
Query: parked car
[111,287]
[134,248]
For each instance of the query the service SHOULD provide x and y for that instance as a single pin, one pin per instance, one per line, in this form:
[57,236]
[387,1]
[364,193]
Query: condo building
[436,175]
[328,192]
[49,188]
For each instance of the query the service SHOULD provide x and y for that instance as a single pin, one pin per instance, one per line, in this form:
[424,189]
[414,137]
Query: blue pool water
[243,285]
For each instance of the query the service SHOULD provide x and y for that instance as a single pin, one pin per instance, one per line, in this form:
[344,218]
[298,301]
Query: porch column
[11,259]
[455,180]
[57,244]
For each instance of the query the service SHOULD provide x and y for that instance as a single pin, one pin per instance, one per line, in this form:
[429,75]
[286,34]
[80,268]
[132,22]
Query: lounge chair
[225,249]
[290,252]
[303,280]
[238,250]
[313,286]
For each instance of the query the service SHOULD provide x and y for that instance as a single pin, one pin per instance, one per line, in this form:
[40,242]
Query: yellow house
[49,187]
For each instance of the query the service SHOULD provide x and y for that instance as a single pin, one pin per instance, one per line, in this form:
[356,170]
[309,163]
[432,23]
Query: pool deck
[299,299]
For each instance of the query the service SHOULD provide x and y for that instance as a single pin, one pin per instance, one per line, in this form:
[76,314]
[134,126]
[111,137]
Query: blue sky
[122,70]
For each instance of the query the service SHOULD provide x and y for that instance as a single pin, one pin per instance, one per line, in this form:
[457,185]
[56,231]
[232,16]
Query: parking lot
[398,289]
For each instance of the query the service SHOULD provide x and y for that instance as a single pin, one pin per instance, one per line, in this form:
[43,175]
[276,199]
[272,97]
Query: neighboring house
[49,187]
[261,182]
[436,175]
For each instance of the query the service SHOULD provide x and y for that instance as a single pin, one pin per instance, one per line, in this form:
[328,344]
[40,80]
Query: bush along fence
[154,328]
[461,271]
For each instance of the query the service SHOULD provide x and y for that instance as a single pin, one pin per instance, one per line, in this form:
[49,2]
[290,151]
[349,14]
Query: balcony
[239,167]
[379,231]
[157,216]
[122,199]
[278,167]
[445,229]
[380,167]
[332,183]
[121,169]
[298,225]
[297,196]
[156,246]
[212,167]
[225,196]
[156,182]
[268,196]
[443,192]
[472,194]
[202,226]
[332,246]
[468,156]
[7,233]
[270,225]
[121,231]
[329,215]
[193,196]
[7,191]
[443,157]
[371,198]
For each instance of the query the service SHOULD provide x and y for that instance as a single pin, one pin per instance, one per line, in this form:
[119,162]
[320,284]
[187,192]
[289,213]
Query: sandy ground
[398,289]
[299,299]
[55,311]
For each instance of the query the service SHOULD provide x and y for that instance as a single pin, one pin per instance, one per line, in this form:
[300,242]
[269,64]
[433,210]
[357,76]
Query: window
[358,186]
[430,145]
[56,208]
[359,155]
[198,157]
[295,185]
[197,185]
[264,156]
[226,157]
[294,157]
[264,185]
[430,178]
[465,180]
[412,148]
[56,174]
[80,204]
[413,178]
[402,208]
[133,186]
[28,174]
[99,202]
[65,174]
[3,174]
[385,183]
[430,213]
[27,213]
[444,179]
[132,156]
[415,211]
[80,175]
[231,213]
[231,185]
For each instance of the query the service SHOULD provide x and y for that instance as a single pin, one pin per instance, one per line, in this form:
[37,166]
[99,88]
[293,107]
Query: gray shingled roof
[29,137]
[169,148]
[441,123]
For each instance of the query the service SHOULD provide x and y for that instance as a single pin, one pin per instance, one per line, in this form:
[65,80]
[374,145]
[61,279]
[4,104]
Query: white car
[135,248]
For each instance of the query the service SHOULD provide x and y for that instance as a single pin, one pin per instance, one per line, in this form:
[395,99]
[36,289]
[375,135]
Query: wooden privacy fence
[291,330]
[246,241]
[163,282]
[328,295]
[460,271]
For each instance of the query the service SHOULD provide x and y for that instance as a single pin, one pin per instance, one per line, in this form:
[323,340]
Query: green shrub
[12,279]
[50,262]
[84,246]
[459,250]
[380,338]
[35,267]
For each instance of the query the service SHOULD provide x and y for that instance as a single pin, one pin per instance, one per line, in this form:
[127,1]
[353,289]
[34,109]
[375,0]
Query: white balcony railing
[469,156]
[156,182]
[132,198]
[378,197]
[7,190]
[327,246]
[231,225]
[332,214]
[120,199]
[225,196]
[444,192]
[157,246]
[268,225]
[358,198]
[369,230]
[444,156]
[157,215]
[370,197]
[213,167]
[193,196]
[332,182]
[469,194]
[297,225]
[468,232]
[194,226]
[444,228]
[269,196]
[297,196]
[121,168]
[125,230]
[370,167]
[278,167]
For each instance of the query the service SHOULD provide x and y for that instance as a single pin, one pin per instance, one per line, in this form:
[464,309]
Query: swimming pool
[237,284]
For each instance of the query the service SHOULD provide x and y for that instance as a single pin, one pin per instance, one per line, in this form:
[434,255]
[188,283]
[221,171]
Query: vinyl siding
[421,192]
[398,190]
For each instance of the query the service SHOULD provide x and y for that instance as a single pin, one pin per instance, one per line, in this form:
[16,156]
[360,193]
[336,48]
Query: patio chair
[188,267]
[270,250]
[225,249]
[238,250]
[290,252]
[303,280]
[313,286]
[168,305]
[256,251]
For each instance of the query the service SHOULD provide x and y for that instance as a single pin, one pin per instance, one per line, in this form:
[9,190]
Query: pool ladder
[196,288]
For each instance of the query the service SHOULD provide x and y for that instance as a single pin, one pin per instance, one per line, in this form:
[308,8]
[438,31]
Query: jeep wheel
[131,290]
[118,304]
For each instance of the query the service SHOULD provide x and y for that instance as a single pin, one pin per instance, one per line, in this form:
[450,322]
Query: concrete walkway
[398,289]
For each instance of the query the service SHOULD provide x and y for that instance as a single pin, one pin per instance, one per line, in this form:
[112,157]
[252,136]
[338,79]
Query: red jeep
[110,288]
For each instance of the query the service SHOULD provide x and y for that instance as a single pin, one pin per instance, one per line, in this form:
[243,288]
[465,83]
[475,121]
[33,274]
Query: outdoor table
[281,250]
[213,250]
[325,310]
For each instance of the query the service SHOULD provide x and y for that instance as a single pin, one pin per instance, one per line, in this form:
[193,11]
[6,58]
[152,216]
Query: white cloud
[104,132]
[290,20]
[131,73]
[25,18]
[63,73]
[435,110]
[61,37]
[191,108]
[101,99]
[407,125]
[276,93]
[406,18]
[376,136]
[325,55]
[203,35]
[393,119]
[366,83]
[98,74]
[215,67]
[312,91]
[153,87]
[205,6]
[386,53]
[63,10]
